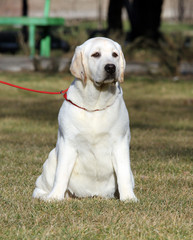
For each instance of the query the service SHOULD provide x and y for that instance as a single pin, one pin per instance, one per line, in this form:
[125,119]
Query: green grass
[169,27]
[161,113]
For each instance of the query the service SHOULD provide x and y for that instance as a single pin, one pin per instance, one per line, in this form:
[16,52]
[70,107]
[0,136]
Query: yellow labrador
[91,157]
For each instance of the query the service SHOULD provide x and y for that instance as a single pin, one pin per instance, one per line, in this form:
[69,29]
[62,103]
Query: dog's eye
[114,54]
[96,55]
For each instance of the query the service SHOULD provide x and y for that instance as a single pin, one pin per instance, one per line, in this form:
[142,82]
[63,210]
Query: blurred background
[156,36]
[37,42]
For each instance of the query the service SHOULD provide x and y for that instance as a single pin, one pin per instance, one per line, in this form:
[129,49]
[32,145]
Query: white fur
[91,157]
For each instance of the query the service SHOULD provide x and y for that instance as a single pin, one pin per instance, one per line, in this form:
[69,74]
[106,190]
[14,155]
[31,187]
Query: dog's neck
[90,97]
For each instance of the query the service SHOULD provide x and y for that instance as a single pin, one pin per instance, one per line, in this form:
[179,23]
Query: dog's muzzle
[110,76]
[110,70]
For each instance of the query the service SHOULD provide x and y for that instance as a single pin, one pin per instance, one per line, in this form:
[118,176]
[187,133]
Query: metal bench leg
[45,46]
[32,30]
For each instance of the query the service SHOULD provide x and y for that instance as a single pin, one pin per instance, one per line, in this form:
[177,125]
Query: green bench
[32,23]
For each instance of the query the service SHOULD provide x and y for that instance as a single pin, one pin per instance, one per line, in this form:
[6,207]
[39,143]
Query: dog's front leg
[66,156]
[123,171]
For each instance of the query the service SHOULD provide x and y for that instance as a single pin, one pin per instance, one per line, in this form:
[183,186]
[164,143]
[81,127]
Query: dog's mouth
[107,80]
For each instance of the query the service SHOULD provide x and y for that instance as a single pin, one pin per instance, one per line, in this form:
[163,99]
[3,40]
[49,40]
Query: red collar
[95,110]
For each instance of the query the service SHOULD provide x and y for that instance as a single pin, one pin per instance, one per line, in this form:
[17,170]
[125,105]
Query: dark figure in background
[25,14]
[114,19]
[144,17]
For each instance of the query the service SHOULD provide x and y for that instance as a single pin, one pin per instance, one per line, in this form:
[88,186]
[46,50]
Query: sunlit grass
[161,113]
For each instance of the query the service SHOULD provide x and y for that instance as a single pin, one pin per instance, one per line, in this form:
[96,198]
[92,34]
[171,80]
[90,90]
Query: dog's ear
[77,65]
[122,67]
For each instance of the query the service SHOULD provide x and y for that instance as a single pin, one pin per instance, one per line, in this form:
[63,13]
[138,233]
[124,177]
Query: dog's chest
[97,125]
[95,154]
[93,168]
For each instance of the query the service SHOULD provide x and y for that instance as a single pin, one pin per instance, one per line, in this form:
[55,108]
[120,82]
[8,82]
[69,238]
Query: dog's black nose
[110,68]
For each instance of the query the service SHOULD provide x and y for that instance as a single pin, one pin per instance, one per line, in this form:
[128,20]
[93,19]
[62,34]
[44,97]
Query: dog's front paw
[129,198]
[133,199]
[54,196]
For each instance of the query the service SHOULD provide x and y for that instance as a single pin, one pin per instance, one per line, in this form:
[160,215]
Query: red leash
[61,92]
[32,90]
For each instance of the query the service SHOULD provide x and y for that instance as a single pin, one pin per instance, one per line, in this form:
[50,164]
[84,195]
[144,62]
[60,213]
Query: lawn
[161,115]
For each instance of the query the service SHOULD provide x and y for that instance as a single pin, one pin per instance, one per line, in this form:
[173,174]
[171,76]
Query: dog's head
[99,59]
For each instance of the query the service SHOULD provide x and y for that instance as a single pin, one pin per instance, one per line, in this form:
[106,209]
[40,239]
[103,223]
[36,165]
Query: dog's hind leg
[45,181]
